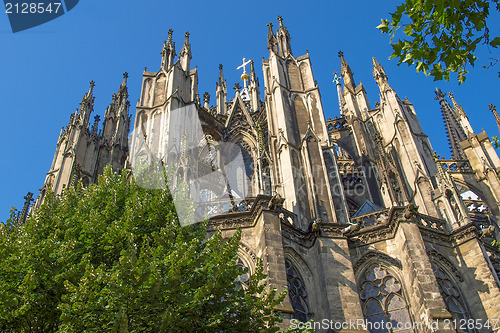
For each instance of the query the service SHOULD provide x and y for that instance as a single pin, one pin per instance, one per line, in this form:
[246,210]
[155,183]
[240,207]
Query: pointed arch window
[297,293]
[245,176]
[384,305]
[244,279]
[452,297]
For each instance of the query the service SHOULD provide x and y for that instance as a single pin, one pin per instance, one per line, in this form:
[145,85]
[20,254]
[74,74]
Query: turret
[283,38]
[297,127]
[272,41]
[116,118]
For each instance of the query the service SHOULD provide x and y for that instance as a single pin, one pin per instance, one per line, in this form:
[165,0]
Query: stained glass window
[297,293]
[452,298]
[384,305]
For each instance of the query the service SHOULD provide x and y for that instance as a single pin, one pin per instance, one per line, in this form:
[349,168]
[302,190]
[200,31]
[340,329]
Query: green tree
[441,36]
[113,258]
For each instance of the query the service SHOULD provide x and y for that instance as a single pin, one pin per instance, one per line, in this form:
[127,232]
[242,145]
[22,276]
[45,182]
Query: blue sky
[46,70]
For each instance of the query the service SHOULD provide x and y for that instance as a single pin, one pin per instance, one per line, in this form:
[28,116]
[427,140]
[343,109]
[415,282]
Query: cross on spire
[245,63]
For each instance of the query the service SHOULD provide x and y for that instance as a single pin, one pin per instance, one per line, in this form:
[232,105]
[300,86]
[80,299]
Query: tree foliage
[496,142]
[442,35]
[113,258]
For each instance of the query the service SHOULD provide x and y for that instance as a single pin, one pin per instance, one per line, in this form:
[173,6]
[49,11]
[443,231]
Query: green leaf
[495,42]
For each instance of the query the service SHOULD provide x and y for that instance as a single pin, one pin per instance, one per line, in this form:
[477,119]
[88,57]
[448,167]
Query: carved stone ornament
[443,261]
[376,256]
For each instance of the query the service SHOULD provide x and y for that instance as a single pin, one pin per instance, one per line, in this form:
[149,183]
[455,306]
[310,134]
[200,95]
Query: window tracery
[297,293]
[452,297]
[384,305]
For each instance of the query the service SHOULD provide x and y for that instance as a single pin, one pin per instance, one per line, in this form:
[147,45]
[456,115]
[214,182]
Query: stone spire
[221,93]
[379,75]
[336,80]
[272,41]
[346,72]
[123,91]
[26,208]
[116,118]
[455,131]
[168,52]
[124,81]
[185,54]
[495,113]
[459,111]
[461,116]
[254,88]
[284,39]
[87,105]
[253,77]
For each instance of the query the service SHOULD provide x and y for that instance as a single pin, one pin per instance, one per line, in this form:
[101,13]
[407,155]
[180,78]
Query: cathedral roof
[366,208]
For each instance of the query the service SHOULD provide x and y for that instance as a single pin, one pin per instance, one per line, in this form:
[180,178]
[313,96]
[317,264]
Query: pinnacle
[270,26]
[125,76]
[170,32]
[280,19]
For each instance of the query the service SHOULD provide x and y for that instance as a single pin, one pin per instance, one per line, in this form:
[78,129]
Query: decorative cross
[341,54]
[244,65]
[237,86]
[125,75]
[280,19]
[492,107]
[92,84]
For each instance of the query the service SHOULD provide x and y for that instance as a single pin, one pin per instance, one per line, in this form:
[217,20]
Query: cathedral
[356,216]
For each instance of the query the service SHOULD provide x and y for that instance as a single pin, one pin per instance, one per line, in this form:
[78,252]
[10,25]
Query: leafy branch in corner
[442,36]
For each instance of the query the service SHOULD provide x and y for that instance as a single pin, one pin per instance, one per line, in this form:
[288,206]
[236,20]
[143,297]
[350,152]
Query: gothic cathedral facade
[356,216]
